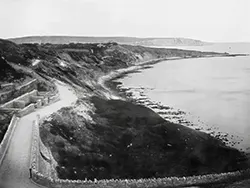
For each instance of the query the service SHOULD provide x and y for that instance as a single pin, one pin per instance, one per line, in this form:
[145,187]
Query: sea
[206,94]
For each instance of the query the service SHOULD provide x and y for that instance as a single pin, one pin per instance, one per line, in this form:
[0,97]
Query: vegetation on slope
[126,140]
[120,139]
[8,73]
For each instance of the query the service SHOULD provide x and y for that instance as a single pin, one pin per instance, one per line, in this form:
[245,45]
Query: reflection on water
[215,91]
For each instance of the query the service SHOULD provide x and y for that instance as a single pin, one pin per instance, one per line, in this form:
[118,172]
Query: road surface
[14,171]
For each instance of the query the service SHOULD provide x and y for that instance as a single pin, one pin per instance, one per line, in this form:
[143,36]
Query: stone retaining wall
[54,98]
[7,137]
[28,109]
[39,152]
[34,157]
[7,87]
[22,112]
[16,110]
[25,98]
[19,104]
[18,91]
[31,85]
[5,96]
[141,183]
[47,164]
[47,94]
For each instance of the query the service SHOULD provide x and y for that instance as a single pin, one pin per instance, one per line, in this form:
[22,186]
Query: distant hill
[121,40]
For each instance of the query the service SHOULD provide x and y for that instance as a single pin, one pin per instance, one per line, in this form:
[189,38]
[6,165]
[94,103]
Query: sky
[207,20]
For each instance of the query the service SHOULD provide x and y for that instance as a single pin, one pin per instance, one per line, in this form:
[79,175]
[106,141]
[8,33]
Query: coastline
[126,139]
[127,112]
[103,80]
[109,82]
[119,73]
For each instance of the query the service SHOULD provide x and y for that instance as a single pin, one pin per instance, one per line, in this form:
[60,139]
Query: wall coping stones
[18,98]
[12,91]
[7,86]
[25,85]
[27,110]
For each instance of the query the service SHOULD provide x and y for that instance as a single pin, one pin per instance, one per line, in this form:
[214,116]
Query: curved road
[14,171]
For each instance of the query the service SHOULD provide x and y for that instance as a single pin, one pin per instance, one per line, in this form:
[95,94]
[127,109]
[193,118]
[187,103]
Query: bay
[213,93]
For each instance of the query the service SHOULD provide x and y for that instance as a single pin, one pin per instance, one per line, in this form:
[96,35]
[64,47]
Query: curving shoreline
[107,82]
[103,80]
[115,117]
[117,73]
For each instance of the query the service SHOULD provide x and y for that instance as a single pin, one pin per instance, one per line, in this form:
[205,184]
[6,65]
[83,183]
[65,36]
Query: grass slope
[131,141]
[123,139]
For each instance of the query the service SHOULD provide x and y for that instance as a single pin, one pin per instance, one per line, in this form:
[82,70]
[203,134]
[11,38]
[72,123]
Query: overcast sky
[208,20]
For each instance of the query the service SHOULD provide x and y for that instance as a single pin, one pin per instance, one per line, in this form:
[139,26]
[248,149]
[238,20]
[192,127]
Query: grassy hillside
[114,138]
[99,57]
[126,140]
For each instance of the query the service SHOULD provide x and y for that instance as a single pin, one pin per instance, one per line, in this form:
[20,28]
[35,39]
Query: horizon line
[120,36]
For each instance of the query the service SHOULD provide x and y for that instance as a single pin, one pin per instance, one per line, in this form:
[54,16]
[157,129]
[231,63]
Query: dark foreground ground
[131,141]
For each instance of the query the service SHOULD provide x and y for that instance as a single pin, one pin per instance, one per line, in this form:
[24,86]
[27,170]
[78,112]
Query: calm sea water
[214,93]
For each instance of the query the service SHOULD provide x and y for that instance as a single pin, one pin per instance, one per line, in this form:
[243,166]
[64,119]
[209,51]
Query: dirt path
[14,172]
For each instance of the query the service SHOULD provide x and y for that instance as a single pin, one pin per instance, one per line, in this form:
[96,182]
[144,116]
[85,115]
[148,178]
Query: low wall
[35,98]
[7,137]
[28,109]
[9,110]
[18,91]
[18,104]
[26,98]
[6,96]
[47,164]
[47,94]
[54,98]
[31,85]
[7,87]
[41,159]
[141,183]
[34,146]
